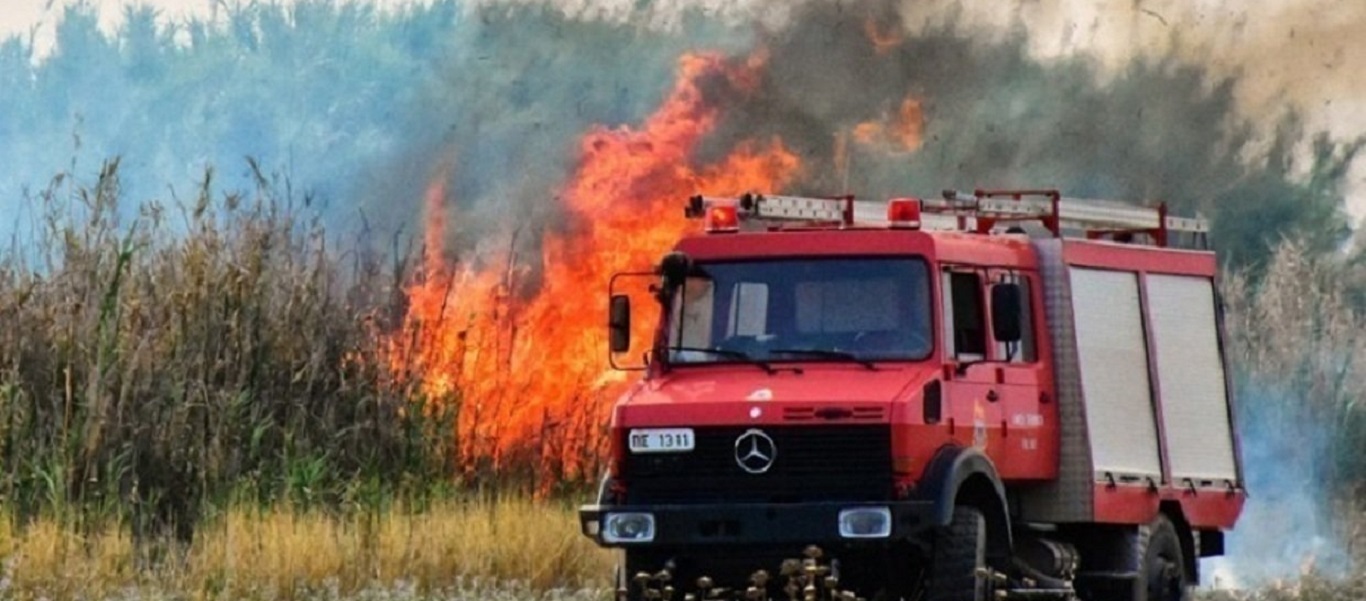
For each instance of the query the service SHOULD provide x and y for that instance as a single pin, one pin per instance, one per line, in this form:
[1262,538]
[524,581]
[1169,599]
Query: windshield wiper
[733,354]
[827,353]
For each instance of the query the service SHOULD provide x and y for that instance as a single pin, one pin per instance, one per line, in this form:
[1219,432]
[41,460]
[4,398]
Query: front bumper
[748,524]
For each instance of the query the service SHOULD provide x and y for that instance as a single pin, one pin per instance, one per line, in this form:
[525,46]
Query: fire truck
[987,395]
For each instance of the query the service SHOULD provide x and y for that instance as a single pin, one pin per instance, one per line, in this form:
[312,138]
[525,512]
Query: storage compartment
[1190,376]
[1113,358]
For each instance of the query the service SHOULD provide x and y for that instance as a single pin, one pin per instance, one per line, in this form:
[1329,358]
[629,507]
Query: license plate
[661,440]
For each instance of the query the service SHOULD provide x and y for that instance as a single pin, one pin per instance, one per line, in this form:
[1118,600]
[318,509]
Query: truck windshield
[802,310]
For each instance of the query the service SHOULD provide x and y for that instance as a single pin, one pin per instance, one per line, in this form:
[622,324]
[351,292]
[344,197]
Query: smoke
[359,107]
[992,107]
[1284,51]
[1294,340]
[1284,54]
[667,15]
[994,115]
[1287,528]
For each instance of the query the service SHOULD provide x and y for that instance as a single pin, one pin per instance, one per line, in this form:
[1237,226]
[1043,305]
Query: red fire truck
[1003,394]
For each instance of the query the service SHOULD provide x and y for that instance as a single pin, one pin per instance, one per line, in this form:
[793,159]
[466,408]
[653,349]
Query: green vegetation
[199,355]
[355,106]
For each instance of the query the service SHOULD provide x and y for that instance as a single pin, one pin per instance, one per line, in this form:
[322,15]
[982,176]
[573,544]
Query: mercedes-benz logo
[755,451]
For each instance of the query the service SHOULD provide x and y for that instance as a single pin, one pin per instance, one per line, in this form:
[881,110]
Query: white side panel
[1191,378]
[1114,372]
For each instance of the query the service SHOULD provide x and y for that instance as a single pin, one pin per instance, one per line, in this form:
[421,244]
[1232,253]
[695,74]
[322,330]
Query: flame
[883,41]
[903,131]
[530,370]
[868,132]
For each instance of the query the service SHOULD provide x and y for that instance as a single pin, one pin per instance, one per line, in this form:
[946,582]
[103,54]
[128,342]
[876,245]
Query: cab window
[964,317]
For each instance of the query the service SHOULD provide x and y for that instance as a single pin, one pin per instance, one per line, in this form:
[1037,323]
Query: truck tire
[959,555]
[1161,571]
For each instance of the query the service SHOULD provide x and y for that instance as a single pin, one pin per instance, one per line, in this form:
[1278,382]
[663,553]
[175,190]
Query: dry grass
[1308,588]
[445,551]
[507,549]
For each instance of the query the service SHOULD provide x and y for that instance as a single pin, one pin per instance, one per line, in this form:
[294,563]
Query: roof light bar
[722,218]
[903,213]
[801,208]
[982,211]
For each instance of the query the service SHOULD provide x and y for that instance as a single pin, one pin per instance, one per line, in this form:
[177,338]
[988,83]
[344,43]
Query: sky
[1308,54]
[21,17]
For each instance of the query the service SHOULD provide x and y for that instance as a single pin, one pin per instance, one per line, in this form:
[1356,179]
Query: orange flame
[530,371]
[903,131]
[883,41]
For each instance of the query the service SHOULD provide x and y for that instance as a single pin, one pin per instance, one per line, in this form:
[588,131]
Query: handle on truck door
[992,397]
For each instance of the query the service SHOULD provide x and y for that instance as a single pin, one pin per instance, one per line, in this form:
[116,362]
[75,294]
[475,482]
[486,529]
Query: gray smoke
[358,108]
[1287,528]
[1158,128]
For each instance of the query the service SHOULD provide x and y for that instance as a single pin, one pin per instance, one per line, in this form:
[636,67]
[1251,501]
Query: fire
[530,371]
[883,41]
[903,131]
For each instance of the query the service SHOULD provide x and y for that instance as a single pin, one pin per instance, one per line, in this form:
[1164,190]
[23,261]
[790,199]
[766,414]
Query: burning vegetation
[528,363]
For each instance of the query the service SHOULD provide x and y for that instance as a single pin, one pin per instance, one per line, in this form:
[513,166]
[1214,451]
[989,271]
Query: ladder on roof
[983,211]
[1098,218]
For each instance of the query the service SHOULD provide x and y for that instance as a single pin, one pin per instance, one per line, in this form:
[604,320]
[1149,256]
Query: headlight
[866,522]
[628,528]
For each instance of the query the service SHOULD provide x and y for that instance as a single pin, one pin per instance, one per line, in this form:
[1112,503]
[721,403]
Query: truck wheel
[1162,573]
[959,555]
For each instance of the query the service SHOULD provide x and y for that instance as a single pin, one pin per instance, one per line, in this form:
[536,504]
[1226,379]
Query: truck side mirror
[673,269]
[1005,312]
[619,323]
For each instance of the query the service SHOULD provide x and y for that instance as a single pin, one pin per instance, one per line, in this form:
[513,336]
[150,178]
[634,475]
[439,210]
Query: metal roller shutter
[1191,378]
[1113,357]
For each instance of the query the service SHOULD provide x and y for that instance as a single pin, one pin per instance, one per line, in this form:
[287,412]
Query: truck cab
[948,398]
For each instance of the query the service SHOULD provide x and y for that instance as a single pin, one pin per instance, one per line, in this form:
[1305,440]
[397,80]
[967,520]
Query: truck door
[970,383]
[1028,423]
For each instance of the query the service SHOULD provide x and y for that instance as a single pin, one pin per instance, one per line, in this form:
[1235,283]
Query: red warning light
[903,213]
[722,218]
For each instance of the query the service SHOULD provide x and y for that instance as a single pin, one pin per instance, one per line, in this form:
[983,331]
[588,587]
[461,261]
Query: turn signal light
[903,213]
[722,218]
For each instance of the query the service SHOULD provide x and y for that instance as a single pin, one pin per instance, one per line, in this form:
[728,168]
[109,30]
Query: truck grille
[812,463]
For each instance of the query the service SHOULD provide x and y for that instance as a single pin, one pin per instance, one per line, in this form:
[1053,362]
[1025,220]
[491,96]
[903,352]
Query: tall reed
[1300,360]
[161,360]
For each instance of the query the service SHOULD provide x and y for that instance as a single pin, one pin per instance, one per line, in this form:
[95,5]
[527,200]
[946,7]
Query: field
[512,549]
[504,547]
[205,403]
